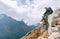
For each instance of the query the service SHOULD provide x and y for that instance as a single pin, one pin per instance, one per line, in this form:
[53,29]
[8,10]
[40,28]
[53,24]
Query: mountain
[12,29]
[40,31]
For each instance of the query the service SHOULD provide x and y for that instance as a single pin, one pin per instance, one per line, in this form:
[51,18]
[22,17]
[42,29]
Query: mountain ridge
[12,29]
[53,31]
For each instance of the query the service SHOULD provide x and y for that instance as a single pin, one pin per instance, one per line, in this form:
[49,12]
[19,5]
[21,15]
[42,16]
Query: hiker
[45,17]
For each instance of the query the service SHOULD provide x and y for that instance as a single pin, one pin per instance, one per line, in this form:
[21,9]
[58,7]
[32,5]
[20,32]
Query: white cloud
[10,3]
[31,12]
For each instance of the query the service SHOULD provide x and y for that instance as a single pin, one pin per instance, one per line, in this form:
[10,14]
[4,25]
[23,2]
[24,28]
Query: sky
[30,11]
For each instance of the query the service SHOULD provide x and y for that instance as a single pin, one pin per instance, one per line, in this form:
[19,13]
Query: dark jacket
[49,11]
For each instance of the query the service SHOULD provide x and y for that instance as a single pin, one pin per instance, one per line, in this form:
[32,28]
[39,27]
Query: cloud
[30,11]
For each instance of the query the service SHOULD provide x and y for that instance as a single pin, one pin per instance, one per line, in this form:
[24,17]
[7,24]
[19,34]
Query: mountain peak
[12,29]
[2,16]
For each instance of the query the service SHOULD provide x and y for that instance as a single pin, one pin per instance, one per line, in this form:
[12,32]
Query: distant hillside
[12,29]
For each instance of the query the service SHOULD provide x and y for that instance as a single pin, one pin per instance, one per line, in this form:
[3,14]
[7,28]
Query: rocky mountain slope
[53,31]
[36,33]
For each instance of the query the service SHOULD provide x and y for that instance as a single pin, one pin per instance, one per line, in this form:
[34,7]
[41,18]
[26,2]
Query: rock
[53,31]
